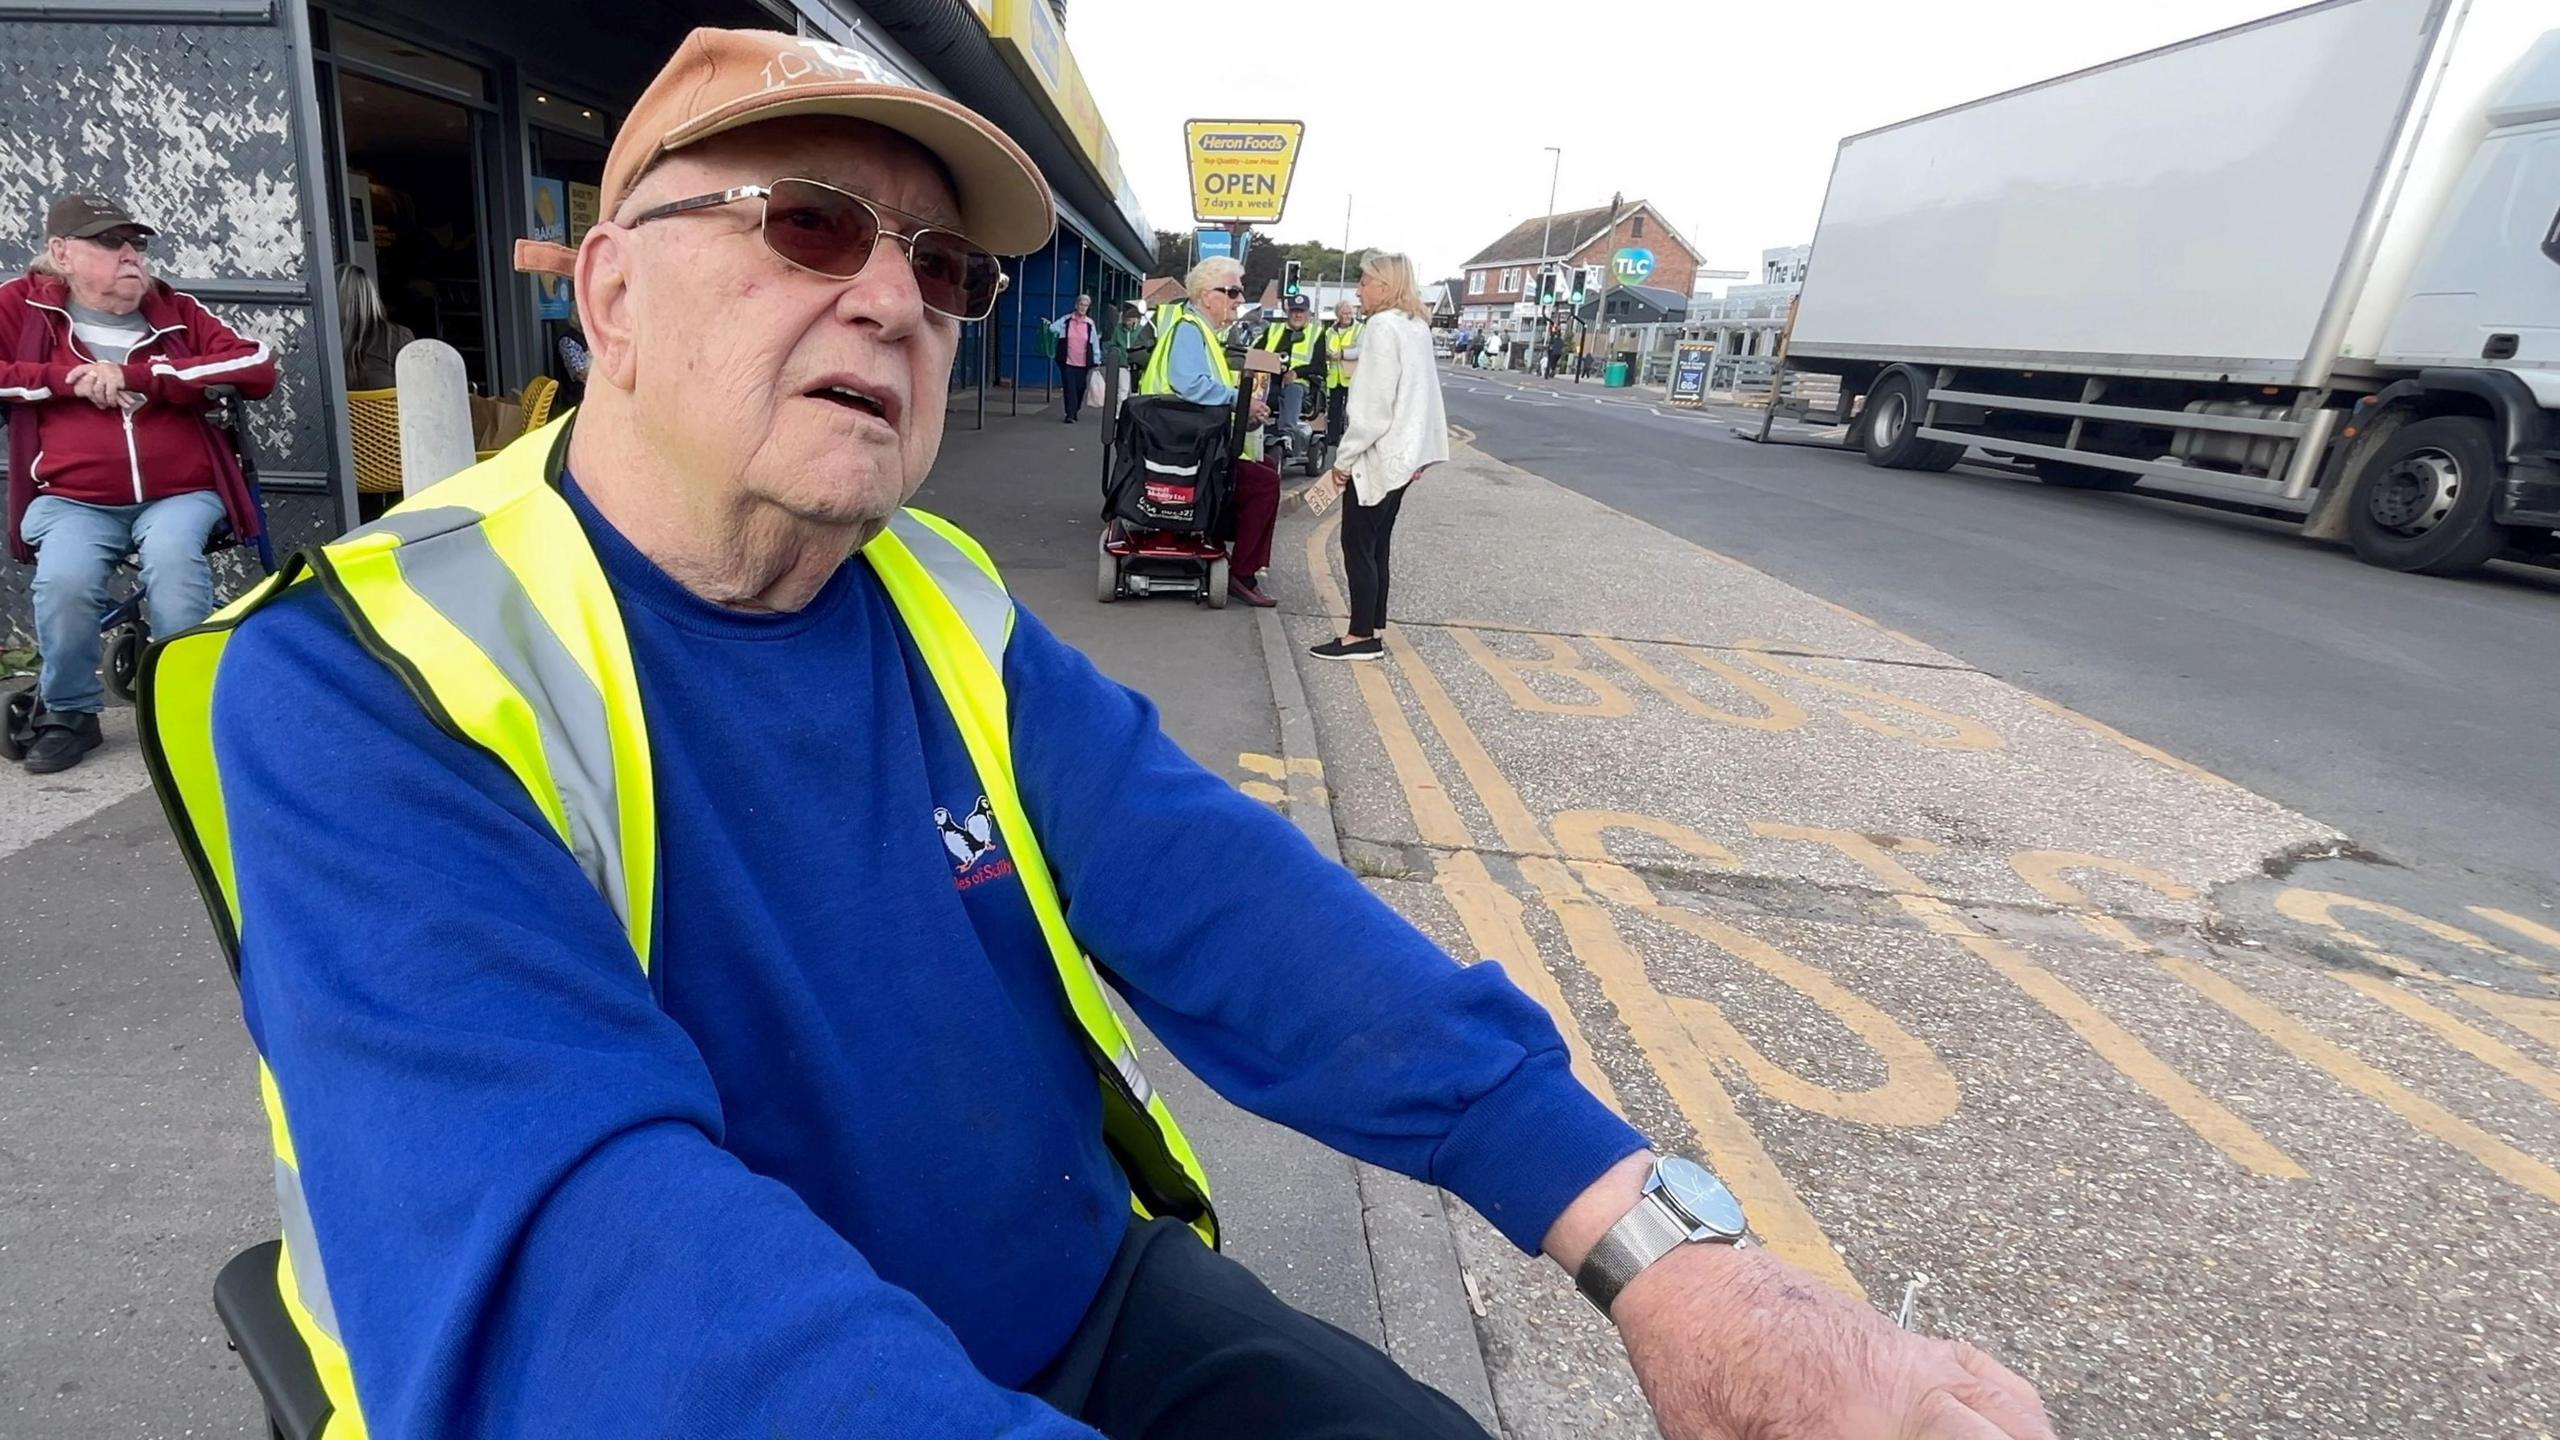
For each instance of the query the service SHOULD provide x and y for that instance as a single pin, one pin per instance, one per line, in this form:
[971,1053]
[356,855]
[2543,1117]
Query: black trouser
[1074,386]
[1184,1344]
[1337,410]
[1366,531]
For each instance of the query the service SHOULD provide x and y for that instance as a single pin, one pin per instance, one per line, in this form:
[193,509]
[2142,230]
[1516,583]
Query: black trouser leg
[1365,533]
[1185,1344]
[1072,388]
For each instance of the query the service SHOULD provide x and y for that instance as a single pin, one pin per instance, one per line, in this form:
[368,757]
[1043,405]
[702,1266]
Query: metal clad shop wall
[191,126]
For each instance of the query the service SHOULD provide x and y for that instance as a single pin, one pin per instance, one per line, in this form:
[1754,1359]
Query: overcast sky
[1430,115]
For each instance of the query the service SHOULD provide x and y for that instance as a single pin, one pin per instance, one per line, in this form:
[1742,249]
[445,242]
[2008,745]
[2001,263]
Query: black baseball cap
[85,217]
[1300,302]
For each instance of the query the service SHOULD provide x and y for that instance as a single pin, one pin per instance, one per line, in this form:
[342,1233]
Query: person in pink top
[1079,350]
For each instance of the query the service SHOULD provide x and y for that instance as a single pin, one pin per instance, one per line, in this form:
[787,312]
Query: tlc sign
[1631,266]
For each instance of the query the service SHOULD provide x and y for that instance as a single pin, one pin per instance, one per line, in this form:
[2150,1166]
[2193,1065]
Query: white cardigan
[1393,424]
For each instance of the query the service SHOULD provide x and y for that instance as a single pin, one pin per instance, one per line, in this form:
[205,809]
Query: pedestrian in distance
[1395,428]
[1079,351]
[720,1054]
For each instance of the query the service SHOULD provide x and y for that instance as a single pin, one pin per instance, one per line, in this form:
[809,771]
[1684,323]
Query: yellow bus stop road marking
[2045,872]
[1778,1212]
[2119,1047]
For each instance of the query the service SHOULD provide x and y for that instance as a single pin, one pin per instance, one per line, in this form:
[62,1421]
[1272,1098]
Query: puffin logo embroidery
[971,839]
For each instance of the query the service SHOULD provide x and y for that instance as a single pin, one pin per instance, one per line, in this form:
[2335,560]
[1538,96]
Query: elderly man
[716,1051]
[105,372]
[1190,361]
[1342,357]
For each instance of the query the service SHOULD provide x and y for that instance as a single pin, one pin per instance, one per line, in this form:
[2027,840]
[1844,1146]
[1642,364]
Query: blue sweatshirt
[836,1166]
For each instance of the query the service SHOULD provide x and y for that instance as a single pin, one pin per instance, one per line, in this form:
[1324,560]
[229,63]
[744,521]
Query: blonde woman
[1394,429]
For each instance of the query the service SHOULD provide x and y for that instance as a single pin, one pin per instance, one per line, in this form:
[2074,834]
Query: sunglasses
[111,243]
[1232,292]
[831,232]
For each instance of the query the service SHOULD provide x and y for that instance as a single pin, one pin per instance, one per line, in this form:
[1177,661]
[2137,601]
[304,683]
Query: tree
[1173,254]
[1318,262]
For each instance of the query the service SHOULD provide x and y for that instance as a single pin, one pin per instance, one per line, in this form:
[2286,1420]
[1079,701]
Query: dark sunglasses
[1233,292]
[831,232]
[114,242]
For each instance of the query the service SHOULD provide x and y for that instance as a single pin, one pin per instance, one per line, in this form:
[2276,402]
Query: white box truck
[2309,265]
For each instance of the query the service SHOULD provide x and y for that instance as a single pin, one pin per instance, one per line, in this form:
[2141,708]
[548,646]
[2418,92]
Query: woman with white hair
[1395,428]
[1190,362]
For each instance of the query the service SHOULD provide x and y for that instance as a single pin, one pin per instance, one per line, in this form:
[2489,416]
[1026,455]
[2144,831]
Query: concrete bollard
[435,415]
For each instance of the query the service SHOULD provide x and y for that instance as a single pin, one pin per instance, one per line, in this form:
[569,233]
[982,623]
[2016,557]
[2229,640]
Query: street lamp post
[1547,234]
[1342,270]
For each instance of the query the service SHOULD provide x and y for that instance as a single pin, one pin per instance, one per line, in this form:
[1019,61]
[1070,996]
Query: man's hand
[99,383]
[1736,1344]
[1261,411]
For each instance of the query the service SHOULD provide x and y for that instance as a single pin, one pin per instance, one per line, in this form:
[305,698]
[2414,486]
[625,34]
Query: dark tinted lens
[954,276]
[820,229]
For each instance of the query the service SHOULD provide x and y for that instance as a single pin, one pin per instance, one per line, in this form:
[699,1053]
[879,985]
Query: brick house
[1500,282]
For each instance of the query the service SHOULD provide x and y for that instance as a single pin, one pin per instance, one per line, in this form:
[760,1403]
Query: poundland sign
[1240,169]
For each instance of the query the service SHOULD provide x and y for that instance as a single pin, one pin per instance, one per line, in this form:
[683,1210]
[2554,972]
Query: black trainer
[1369,649]
[61,739]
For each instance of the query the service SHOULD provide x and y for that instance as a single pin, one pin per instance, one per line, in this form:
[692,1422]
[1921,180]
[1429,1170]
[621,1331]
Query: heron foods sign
[1240,169]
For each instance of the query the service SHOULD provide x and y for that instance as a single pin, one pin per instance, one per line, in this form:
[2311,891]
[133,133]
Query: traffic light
[1289,278]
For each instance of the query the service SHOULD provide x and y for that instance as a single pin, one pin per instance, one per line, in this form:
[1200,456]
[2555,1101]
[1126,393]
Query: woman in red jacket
[106,371]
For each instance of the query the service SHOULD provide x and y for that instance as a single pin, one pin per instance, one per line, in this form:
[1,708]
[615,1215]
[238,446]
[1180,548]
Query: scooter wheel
[1106,575]
[17,728]
[1215,597]
[124,662]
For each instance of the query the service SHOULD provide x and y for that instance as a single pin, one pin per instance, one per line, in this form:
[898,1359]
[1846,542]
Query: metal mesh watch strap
[1649,1232]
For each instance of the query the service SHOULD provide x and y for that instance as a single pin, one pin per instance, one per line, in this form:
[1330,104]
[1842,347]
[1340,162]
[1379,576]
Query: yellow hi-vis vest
[485,597]
[1302,353]
[1158,379]
[1339,339]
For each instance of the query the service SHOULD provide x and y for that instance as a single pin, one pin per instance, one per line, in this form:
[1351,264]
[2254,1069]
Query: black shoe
[1369,649]
[61,739]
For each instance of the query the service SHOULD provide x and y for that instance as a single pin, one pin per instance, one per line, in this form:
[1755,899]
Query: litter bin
[1617,375]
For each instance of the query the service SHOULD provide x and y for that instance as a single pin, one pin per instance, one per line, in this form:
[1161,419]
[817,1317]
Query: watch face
[1702,1197]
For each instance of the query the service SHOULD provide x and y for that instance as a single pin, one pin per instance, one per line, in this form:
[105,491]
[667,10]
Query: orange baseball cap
[722,79]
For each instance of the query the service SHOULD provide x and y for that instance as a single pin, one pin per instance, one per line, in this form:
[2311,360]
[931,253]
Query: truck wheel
[2066,475]
[1891,428]
[2422,503]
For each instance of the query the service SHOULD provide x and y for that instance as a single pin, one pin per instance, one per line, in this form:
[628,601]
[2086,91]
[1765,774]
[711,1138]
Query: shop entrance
[413,205]
[411,187]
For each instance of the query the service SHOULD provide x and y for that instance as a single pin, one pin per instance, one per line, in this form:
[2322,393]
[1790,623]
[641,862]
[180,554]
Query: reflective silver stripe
[303,1245]
[1126,1062]
[983,604]
[459,573]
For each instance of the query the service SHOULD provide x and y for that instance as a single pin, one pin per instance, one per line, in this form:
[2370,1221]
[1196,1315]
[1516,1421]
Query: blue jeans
[77,550]
[1291,413]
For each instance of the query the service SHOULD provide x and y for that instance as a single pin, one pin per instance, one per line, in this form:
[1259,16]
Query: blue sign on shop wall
[1217,241]
[551,223]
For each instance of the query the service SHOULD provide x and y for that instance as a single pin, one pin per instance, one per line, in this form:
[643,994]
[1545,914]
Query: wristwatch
[1684,1204]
